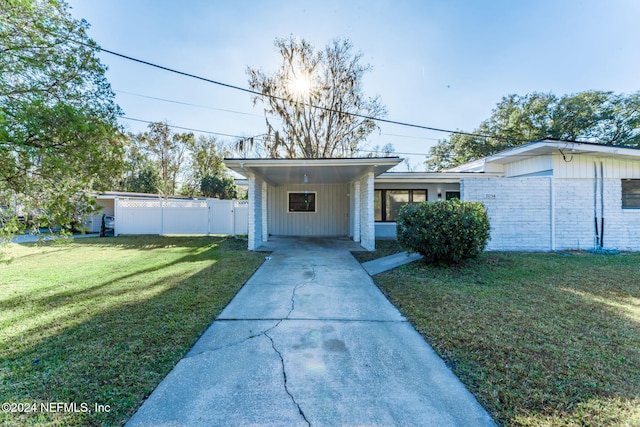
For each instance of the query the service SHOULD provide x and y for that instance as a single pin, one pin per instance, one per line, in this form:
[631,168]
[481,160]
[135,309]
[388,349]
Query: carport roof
[318,171]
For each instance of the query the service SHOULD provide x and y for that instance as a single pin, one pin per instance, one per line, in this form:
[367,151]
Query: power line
[186,103]
[186,128]
[172,101]
[253,92]
[570,151]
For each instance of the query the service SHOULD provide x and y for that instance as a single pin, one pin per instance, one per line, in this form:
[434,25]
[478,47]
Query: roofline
[562,145]
[551,144]
[242,163]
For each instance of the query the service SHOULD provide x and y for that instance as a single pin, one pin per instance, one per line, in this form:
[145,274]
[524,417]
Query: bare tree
[318,96]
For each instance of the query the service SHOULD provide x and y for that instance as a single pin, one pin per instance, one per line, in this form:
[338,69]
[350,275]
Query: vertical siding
[330,219]
[581,166]
[528,166]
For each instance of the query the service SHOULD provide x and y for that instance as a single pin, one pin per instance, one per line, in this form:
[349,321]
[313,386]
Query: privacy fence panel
[241,217]
[185,217]
[159,216]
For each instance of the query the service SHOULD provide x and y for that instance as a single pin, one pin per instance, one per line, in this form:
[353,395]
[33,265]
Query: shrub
[444,231]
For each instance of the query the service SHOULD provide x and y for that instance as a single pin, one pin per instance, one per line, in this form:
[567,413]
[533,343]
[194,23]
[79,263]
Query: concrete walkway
[389,262]
[310,340]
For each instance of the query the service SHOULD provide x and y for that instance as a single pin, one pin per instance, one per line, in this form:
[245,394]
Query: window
[631,194]
[452,195]
[302,202]
[387,203]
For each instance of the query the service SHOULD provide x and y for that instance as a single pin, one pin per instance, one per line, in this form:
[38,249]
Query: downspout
[601,204]
[553,213]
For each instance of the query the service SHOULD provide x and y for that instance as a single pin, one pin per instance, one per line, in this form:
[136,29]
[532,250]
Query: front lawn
[539,339]
[103,321]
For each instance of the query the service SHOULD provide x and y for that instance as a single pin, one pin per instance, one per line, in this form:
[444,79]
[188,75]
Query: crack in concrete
[298,286]
[233,344]
[284,375]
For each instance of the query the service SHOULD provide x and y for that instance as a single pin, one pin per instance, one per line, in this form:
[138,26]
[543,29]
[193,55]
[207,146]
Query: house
[546,195]
[549,195]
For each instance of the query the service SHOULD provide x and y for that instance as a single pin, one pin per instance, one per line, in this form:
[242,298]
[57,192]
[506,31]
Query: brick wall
[367,223]
[255,212]
[518,208]
[520,212]
[574,216]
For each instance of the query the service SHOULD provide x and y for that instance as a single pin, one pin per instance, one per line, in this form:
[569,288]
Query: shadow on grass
[540,339]
[196,252]
[118,355]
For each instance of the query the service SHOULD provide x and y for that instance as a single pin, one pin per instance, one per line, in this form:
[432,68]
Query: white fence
[160,216]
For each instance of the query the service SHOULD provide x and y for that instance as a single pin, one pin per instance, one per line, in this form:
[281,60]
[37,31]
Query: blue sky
[443,64]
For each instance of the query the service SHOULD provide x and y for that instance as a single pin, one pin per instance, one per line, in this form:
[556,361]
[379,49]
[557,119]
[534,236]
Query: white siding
[534,165]
[330,219]
[581,166]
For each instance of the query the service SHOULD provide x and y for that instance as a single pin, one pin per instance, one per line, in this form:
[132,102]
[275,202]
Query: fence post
[115,216]
[161,216]
[233,216]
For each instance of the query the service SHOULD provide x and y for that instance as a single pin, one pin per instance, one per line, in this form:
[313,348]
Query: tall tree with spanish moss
[318,97]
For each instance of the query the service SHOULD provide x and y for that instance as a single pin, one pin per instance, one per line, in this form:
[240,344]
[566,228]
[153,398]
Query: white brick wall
[518,208]
[255,212]
[520,213]
[367,223]
[574,213]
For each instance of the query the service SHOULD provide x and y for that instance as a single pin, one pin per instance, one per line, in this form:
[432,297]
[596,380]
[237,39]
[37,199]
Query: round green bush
[446,231]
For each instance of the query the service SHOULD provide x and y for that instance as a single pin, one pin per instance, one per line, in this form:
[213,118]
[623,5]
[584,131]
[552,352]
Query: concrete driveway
[310,340]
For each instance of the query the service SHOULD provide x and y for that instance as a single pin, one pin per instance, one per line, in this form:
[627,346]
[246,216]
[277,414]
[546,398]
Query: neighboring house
[540,196]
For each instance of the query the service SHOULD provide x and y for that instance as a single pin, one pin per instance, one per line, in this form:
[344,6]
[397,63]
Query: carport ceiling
[311,171]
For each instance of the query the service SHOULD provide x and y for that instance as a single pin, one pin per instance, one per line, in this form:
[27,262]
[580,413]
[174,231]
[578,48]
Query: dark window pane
[452,195]
[631,193]
[394,200]
[377,205]
[419,196]
[302,202]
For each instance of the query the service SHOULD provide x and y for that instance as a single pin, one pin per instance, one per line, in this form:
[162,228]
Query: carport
[311,197]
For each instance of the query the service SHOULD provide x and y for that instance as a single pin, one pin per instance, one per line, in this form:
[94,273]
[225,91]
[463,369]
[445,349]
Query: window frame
[315,202]
[622,193]
[383,200]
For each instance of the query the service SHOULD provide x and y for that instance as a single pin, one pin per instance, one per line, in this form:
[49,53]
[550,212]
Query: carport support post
[367,221]
[256,214]
[265,231]
[356,216]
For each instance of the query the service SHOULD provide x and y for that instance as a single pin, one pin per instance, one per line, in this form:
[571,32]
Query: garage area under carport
[311,197]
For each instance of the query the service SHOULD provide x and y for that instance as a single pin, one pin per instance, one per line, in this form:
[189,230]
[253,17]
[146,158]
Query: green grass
[539,339]
[104,320]
[383,249]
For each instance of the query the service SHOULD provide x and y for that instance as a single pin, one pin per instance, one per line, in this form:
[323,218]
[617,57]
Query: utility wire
[259,137]
[173,101]
[186,128]
[253,92]
[186,103]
